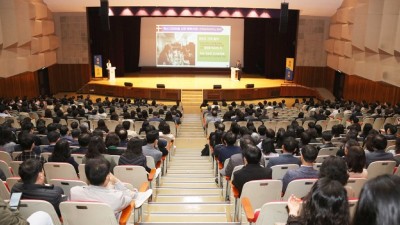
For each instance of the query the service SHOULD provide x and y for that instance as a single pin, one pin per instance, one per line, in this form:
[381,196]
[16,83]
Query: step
[191,152]
[182,164]
[171,178]
[179,157]
[192,223]
[194,133]
[190,167]
[189,191]
[189,125]
[189,199]
[190,122]
[190,171]
[192,96]
[192,101]
[191,128]
[194,161]
[188,179]
[192,90]
[188,185]
[196,104]
[184,175]
[187,151]
[198,126]
[193,93]
[188,208]
[167,217]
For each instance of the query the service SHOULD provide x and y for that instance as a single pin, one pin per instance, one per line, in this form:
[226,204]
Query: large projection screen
[212,51]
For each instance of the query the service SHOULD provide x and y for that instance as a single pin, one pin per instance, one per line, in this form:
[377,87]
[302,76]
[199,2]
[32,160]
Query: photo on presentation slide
[193,46]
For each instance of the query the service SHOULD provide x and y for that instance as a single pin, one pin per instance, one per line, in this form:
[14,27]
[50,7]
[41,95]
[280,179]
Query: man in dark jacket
[33,186]
[252,169]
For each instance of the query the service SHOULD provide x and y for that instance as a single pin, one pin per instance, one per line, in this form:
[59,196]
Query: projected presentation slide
[193,46]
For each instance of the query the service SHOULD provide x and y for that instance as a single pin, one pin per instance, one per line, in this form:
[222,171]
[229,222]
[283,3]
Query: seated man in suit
[156,117]
[379,143]
[237,159]
[75,133]
[308,155]
[228,149]
[83,141]
[252,169]
[289,146]
[326,139]
[64,133]
[33,184]
[389,131]
[53,137]
[103,187]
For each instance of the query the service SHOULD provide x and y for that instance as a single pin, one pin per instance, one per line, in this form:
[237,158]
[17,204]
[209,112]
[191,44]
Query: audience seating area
[261,201]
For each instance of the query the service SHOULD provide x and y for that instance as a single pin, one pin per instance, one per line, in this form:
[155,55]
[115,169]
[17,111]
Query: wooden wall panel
[68,77]
[25,84]
[314,77]
[297,91]
[241,94]
[121,91]
[358,89]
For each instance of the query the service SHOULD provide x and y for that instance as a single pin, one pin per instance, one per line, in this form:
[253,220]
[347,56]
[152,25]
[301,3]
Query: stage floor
[188,81]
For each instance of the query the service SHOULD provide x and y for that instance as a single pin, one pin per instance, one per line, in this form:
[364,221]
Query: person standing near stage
[108,64]
[239,66]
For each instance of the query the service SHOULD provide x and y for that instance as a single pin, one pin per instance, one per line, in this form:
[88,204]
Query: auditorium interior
[347,50]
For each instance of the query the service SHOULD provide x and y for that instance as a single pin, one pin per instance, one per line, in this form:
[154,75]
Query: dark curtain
[266,49]
[254,41]
[120,44]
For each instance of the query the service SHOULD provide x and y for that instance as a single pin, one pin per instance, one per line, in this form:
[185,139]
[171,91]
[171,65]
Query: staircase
[188,193]
[192,98]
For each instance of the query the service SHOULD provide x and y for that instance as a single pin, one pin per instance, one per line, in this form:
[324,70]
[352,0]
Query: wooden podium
[234,74]
[111,73]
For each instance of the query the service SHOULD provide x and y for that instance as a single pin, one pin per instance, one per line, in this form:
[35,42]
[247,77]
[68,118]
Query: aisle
[188,193]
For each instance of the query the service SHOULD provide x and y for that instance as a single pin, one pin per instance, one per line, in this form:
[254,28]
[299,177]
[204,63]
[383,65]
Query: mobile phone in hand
[14,200]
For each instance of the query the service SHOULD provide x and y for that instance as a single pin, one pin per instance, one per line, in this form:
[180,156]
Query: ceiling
[307,7]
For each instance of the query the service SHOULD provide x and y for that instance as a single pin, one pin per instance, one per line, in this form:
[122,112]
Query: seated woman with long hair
[268,148]
[112,142]
[62,153]
[134,154]
[102,125]
[325,204]
[165,130]
[379,203]
[355,159]
[96,148]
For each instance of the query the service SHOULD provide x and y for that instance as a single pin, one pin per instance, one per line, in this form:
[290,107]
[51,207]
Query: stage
[177,87]
[190,81]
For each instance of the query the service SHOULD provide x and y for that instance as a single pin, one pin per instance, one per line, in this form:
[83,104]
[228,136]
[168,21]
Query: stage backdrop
[265,48]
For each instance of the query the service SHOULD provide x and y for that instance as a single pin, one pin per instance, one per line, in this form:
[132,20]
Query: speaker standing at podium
[108,64]
[239,72]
